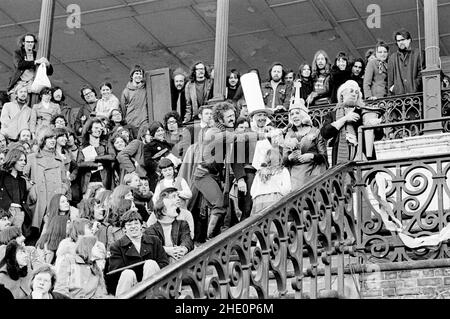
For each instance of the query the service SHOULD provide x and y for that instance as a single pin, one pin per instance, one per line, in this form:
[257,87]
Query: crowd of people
[97,198]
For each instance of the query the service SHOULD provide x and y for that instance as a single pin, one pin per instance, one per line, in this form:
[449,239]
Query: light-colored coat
[375,83]
[48,173]
[74,278]
[42,116]
[14,119]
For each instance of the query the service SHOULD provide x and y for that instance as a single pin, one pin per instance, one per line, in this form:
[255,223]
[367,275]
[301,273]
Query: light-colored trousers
[128,277]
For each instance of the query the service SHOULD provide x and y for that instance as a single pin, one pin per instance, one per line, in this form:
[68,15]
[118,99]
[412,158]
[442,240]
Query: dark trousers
[245,201]
[198,207]
[209,186]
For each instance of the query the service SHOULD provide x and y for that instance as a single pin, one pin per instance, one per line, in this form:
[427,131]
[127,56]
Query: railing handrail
[397,160]
[381,99]
[402,123]
[330,105]
[223,237]
[362,128]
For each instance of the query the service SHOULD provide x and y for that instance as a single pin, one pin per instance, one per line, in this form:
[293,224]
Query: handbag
[41,79]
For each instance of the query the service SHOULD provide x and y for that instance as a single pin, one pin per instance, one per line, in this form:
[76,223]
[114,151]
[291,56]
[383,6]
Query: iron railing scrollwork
[331,216]
[419,194]
[315,222]
[445,96]
[397,108]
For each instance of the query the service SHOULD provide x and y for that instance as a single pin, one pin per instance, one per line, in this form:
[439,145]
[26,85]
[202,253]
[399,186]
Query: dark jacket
[85,111]
[123,253]
[142,202]
[174,93]
[7,190]
[69,113]
[154,150]
[216,145]
[104,157]
[306,89]
[180,234]
[405,72]
[337,78]
[328,131]
[133,152]
[360,81]
[282,94]
[192,100]
[5,294]
[20,65]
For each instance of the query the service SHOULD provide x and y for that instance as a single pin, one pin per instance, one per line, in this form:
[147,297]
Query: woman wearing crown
[304,149]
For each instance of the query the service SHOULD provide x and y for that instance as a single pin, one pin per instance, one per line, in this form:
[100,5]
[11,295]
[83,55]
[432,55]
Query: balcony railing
[316,221]
[445,95]
[332,216]
[397,108]
[418,193]
[408,107]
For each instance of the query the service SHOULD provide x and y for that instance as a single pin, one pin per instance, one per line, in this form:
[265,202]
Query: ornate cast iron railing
[398,108]
[316,221]
[418,192]
[445,95]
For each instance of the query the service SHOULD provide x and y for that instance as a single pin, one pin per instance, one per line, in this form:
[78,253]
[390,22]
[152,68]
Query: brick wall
[417,283]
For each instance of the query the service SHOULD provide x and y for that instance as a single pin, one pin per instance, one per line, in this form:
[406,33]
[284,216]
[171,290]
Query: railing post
[431,76]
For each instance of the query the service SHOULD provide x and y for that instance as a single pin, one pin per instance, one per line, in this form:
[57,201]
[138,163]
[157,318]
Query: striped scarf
[347,142]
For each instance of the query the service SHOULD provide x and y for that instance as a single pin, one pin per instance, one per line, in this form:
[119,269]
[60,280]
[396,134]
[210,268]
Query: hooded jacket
[134,104]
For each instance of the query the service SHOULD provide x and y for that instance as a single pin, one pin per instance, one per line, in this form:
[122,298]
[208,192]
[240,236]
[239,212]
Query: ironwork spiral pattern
[418,193]
[396,108]
[252,252]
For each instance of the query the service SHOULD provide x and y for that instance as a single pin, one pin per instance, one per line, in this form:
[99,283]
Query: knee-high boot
[212,225]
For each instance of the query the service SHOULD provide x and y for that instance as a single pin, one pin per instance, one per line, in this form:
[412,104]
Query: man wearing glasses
[25,63]
[405,66]
[89,96]
[198,91]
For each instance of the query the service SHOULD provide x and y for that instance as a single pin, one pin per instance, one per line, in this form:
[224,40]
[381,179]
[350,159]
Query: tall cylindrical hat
[253,95]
